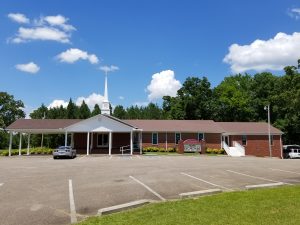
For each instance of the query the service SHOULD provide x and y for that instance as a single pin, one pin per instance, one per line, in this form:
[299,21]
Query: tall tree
[84,111]
[39,113]
[72,110]
[119,112]
[96,110]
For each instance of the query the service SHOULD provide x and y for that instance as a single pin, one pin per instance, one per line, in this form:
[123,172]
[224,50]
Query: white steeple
[105,104]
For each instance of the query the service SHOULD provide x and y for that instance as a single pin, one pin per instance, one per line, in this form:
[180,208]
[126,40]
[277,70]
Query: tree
[120,112]
[10,109]
[39,113]
[96,110]
[234,99]
[84,111]
[72,110]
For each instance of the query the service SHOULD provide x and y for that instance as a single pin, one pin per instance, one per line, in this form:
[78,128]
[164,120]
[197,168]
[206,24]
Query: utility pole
[269,128]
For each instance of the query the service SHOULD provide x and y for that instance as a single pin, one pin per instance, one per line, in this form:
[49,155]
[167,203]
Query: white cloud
[74,54]
[162,84]
[59,21]
[48,28]
[29,67]
[121,97]
[57,103]
[18,17]
[41,33]
[91,100]
[107,69]
[272,54]
[294,13]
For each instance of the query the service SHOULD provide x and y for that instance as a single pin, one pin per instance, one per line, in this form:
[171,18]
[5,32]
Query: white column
[131,143]
[141,143]
[20,144]
[166,141]
[42,141]
[10,143]
[66,138]
[72,140]
[28,144]
[109,143]
[88,143]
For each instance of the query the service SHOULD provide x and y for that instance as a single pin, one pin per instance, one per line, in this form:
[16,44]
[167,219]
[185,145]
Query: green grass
[264,207]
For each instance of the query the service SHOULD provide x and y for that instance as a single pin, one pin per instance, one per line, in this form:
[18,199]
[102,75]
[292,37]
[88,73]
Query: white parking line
[259,178]
[72,203]
[284,171]
[216,185]
[148,188]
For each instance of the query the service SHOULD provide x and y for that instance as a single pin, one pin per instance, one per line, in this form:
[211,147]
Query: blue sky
[154,46]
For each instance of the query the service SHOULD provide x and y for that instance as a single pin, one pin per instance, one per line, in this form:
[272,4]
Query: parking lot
[40,190]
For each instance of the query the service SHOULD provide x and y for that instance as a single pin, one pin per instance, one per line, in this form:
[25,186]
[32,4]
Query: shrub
[4,153]
[214,151]
[157,149]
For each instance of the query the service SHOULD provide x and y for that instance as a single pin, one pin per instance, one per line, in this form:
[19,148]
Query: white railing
[124,149]
[226,148]
[239,148]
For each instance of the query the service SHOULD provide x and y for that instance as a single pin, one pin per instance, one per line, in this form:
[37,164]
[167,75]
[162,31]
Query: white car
[291,151]
[64,151]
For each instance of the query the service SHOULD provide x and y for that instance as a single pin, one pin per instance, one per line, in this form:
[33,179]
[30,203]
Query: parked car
[291,151]
[64,151]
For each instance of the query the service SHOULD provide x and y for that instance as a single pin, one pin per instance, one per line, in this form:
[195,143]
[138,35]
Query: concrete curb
[270,185]
[125,206]
[199,193]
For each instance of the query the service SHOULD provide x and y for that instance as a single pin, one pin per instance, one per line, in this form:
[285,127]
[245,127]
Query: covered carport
[114,128]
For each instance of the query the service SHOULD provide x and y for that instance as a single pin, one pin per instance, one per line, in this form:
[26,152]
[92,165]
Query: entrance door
[226,140]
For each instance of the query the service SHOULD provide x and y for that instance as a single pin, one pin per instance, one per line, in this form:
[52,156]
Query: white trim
[131,143]
[156,138]
[20,144]
[109,142]
[28,144]
[88,143]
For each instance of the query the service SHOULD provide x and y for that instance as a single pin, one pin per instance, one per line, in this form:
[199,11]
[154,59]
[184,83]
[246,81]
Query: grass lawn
[264,206]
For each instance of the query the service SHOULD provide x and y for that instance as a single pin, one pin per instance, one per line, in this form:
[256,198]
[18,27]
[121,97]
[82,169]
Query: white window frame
[101,146]
[156,138]
[202,136]
[179,137]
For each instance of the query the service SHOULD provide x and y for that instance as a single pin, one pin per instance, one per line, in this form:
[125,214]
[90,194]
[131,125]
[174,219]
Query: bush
[157,149]
[33,151]
[215,151]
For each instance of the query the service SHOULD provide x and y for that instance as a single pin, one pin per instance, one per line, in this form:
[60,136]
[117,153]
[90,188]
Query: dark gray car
[63,152]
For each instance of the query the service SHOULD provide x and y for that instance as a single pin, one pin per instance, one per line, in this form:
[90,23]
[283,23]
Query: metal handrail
[124,148]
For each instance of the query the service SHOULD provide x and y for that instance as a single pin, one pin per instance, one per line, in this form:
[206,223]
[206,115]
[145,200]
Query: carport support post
[109,143]
[88,143]
[66,138]
[141,143]
[72,140]
[131,143]
[20,144]
[28,144]
[10,143]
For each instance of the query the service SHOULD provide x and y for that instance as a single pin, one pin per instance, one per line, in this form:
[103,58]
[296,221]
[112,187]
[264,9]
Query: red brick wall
[258,145]
[212,140]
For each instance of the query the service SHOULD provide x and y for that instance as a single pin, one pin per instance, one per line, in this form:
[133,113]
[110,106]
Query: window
[102,140]
[244,139]
[177,137]
[200,136]
[271,138]
[154,138]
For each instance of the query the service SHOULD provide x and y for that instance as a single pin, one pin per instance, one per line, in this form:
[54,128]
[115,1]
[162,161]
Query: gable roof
[208,126]
[247,128]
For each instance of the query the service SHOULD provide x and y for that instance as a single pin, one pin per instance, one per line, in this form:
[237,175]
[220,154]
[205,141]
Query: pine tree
[84,111]
[72,110]
[96,110]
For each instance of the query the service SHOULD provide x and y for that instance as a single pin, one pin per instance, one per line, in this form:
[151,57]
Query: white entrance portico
[102,133]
